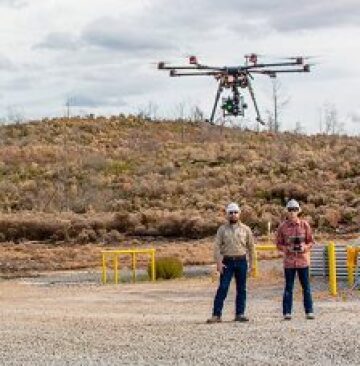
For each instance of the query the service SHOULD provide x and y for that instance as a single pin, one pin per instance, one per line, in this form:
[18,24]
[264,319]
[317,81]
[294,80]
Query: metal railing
[114,255]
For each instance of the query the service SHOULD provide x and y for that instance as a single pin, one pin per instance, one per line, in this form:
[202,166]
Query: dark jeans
[237,267]
[303,274]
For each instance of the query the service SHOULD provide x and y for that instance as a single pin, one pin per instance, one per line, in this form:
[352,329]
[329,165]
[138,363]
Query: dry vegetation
[97,180]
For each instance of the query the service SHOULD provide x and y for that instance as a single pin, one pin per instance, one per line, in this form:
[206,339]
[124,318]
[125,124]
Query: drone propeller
[156,63]
[303,57]
[300,60]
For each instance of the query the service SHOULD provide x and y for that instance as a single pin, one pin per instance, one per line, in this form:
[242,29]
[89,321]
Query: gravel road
[46,322]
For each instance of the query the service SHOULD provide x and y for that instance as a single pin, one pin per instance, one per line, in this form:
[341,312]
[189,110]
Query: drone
[236,78]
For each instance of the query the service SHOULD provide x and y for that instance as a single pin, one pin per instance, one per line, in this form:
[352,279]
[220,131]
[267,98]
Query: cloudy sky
[101,55]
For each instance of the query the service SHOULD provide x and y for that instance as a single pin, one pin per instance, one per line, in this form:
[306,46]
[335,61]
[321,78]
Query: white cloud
[99,52]
[13,3]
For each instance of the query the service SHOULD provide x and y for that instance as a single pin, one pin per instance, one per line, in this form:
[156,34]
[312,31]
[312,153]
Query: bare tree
[320,120]
[270,121]
[148,112]
[68,103]
[280,101]
[180,110]
[333,126]
[196,114]
[15,114]
[299,128]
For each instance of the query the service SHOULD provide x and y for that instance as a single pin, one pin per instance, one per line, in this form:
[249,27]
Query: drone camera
[232,106]
[299,60]
[228,105]
[172,72]
[307,68]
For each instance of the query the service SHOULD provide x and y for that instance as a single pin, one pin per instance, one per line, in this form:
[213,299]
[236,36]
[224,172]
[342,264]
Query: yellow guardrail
[259,248]
[332,268]
[114,254]
[352,257]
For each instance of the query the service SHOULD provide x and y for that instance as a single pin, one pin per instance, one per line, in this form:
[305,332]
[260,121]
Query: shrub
[86,236]
[167,268]
[113,237]
[123,222]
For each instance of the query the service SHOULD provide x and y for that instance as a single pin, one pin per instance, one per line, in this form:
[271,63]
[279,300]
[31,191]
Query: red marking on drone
[193,60]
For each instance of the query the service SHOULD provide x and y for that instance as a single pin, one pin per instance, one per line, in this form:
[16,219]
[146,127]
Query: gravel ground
[49,321]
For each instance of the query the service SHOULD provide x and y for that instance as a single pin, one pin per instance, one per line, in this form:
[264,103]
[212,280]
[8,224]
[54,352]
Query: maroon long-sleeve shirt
[288,230]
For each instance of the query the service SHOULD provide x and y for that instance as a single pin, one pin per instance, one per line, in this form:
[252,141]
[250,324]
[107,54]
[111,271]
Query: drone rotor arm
[164,66]
[305,69]
[174,73]
[262,66]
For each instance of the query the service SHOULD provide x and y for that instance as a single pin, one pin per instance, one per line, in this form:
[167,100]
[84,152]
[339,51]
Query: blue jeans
[303,274]
[237,267]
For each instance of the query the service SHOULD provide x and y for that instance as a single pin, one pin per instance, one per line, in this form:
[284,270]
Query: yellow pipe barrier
[116,273]
[103,277]
[352,253]
[258,248]
[133,266]
[332,268]
[133,252]
[153,274]
[350,265]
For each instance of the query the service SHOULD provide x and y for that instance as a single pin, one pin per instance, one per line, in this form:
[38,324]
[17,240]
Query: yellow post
[255,271]
[133,265]
[116,273]
[104,268]
[332,268]
[153,277]
[351,255]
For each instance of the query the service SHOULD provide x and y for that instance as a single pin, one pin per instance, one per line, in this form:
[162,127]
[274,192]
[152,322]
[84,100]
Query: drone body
[235,78]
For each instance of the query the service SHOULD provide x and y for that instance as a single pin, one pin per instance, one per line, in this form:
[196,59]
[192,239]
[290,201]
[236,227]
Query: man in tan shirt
[234,253]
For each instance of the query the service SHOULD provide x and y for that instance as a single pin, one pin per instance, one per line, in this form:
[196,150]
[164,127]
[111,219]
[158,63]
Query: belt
[235,257]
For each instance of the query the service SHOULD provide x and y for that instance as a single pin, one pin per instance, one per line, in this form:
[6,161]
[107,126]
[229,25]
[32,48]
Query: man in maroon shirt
[294,239]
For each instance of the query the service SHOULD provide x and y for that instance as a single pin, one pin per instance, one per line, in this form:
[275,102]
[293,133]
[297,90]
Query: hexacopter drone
[236,77]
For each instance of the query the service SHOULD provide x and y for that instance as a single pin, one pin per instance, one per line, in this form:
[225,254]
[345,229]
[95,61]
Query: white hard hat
[231,207]
[293,204]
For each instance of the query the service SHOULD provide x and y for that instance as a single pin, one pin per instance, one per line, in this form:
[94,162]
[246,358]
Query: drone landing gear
[218,93]
[251,91]
[234,106]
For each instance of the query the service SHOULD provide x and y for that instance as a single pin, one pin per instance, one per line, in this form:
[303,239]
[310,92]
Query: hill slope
[88,179]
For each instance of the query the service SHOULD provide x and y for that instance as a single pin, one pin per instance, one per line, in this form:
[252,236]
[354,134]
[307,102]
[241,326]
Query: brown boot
[241,318]
[214,319]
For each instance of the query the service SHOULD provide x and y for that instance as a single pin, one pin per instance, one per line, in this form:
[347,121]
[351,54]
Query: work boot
[287,317]
[310,316]
[214,319]
[241,318]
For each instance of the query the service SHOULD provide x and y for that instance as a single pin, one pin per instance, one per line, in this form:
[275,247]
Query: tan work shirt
[232,240]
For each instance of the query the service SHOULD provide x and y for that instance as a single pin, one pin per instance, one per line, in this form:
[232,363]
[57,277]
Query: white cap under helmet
[293,204]
[232,207]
